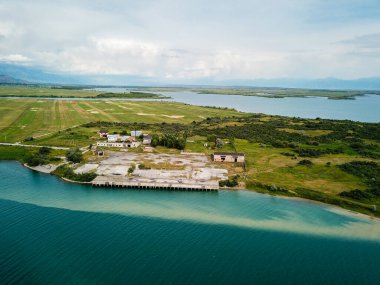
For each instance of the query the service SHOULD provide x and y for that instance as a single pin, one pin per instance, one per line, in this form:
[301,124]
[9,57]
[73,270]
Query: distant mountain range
[6,79]
[16,74]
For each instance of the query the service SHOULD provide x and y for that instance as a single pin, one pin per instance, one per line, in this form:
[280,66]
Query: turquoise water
[53,232]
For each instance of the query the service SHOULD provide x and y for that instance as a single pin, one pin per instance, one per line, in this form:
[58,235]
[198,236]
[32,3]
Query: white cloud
[181,40]
[14,58]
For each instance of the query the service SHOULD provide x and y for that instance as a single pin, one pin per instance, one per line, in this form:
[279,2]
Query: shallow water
[52,232]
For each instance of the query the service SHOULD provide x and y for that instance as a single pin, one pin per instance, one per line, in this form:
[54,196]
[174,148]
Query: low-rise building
[126,144]
[132,144]
[229,157]
[110,144]
[113,138]
[103,133]
[147,139]
[136,133]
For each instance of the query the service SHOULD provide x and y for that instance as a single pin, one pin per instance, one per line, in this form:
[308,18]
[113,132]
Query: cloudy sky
[178,41]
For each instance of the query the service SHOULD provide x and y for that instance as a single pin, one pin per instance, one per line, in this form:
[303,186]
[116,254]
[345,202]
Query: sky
[174,41]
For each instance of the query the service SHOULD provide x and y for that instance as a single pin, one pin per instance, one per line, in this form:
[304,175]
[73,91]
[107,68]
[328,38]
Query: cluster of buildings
[123,141]
[138,137]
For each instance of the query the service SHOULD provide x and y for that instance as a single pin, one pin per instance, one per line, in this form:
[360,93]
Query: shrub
[74,155]
[131,169]
[67,172]
[230,182]
[44,150]
[305,162]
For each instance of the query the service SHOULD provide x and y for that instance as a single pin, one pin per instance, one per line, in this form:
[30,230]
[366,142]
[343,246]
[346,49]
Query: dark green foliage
[313,152]
[131,169]
[370,171]
[365,169]
[230,182]
[356,194]
[39,157]
[14,153]
[28,139]
[143,166]
[74,155]
[169,141]
[132,95]
[305,162]
[67,172]
[211,138]
[44,150]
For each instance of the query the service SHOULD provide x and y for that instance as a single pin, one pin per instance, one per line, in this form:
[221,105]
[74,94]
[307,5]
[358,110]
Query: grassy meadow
[41,118]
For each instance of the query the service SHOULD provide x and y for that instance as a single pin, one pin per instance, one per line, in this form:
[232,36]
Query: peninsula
[331,161]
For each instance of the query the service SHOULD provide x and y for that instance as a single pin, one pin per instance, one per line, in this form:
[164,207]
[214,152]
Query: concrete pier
[169,185]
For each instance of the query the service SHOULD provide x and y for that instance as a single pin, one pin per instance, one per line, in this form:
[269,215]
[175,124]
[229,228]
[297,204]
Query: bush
[142,166]
[131,169]
[366,169]
[66,172]
[219,143]
[356,194]
[44,150]
[230,182]
[305,162]
[74,155]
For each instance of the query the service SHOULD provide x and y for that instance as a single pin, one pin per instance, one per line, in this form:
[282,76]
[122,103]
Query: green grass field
[39,118]
[38,91]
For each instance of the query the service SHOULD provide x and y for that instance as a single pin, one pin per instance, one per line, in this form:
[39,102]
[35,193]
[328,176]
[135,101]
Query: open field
[267,92]
[40,118]
[67,92]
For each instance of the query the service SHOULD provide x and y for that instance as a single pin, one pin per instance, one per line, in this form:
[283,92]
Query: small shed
[103,133]
[229,157]
[147,139]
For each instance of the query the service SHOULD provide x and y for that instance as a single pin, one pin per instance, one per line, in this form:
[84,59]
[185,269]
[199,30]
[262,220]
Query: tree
[44,150]
[219,143]
[74,155]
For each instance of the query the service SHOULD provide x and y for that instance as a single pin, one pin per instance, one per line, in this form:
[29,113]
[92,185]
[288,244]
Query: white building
[110,144]
[112,138]
[136,133]
[119,144]
[229,157]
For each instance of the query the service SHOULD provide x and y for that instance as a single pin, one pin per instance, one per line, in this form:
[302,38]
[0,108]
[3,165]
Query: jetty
[179,185]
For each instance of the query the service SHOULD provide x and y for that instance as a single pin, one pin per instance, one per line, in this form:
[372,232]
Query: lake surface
[363,108]
[52,232]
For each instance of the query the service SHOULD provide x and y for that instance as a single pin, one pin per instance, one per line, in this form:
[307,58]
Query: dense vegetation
[131,95]
[74,155]
[230,182]
[39,157]
[169,141]
[370,171]
[67,172]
